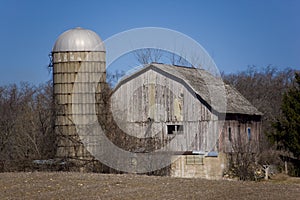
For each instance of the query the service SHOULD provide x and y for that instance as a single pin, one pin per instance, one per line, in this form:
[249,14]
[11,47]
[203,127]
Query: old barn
[173,104]
[159,106]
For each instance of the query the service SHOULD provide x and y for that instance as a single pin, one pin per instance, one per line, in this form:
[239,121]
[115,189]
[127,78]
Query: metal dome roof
[78,39]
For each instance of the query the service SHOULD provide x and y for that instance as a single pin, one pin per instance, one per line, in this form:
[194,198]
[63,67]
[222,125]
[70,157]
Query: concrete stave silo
[75,51]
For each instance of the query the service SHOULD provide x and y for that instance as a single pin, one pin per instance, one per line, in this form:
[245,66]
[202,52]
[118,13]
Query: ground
[63,185]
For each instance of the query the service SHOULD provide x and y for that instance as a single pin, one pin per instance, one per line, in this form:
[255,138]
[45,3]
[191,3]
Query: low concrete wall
[203,167]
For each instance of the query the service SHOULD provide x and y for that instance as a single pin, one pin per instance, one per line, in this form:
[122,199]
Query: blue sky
[235,33]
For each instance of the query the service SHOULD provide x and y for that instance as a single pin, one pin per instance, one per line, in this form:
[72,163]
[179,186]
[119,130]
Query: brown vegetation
[26,125]
[264,88]
[106,186]
[27,118]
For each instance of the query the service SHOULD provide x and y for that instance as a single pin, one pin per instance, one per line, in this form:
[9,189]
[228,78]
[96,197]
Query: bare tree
[243,160]
[26,122]
[113,78]
[178,60]
[148,55]
[264,88]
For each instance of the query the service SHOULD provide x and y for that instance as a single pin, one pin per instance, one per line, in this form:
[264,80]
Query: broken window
[174,129]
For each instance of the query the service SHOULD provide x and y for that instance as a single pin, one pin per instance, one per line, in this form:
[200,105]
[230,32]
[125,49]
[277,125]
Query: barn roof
[200,81]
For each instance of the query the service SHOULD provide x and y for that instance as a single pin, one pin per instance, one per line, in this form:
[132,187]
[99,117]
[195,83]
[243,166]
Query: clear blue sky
[235,33]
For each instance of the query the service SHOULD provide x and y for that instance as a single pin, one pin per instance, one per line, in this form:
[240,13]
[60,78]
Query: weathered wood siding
[234,135]
[144,105]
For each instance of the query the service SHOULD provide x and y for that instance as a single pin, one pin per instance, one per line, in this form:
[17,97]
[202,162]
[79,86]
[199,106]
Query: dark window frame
[174,129]
[249,133]
[229,134]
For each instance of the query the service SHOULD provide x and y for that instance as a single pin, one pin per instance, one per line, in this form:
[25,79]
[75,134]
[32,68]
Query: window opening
[174,129]
[249,133]
[229,134]
[194,159]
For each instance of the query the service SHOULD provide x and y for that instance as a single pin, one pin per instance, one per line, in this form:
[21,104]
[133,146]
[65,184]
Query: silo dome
[78,39]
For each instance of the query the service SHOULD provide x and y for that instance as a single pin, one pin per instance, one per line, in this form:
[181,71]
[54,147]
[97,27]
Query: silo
[75,51]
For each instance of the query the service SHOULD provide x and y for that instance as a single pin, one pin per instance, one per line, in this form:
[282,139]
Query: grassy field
[62,185]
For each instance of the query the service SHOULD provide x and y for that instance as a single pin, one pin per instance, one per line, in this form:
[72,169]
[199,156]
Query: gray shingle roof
[202,82]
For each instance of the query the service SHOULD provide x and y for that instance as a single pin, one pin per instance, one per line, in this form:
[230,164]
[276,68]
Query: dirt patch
[107,186]
[283,178]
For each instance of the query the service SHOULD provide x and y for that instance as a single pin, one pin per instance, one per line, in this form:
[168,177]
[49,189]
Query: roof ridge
[174,65]
[197,82]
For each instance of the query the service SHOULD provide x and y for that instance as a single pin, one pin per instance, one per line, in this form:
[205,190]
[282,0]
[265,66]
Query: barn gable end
[173,103]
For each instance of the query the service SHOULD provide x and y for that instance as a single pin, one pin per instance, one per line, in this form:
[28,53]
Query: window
[239,141]
[174,129]
[249,133]
[229,134]
[194,159]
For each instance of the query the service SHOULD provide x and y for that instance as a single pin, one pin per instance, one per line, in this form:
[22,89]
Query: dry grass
[40,185]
